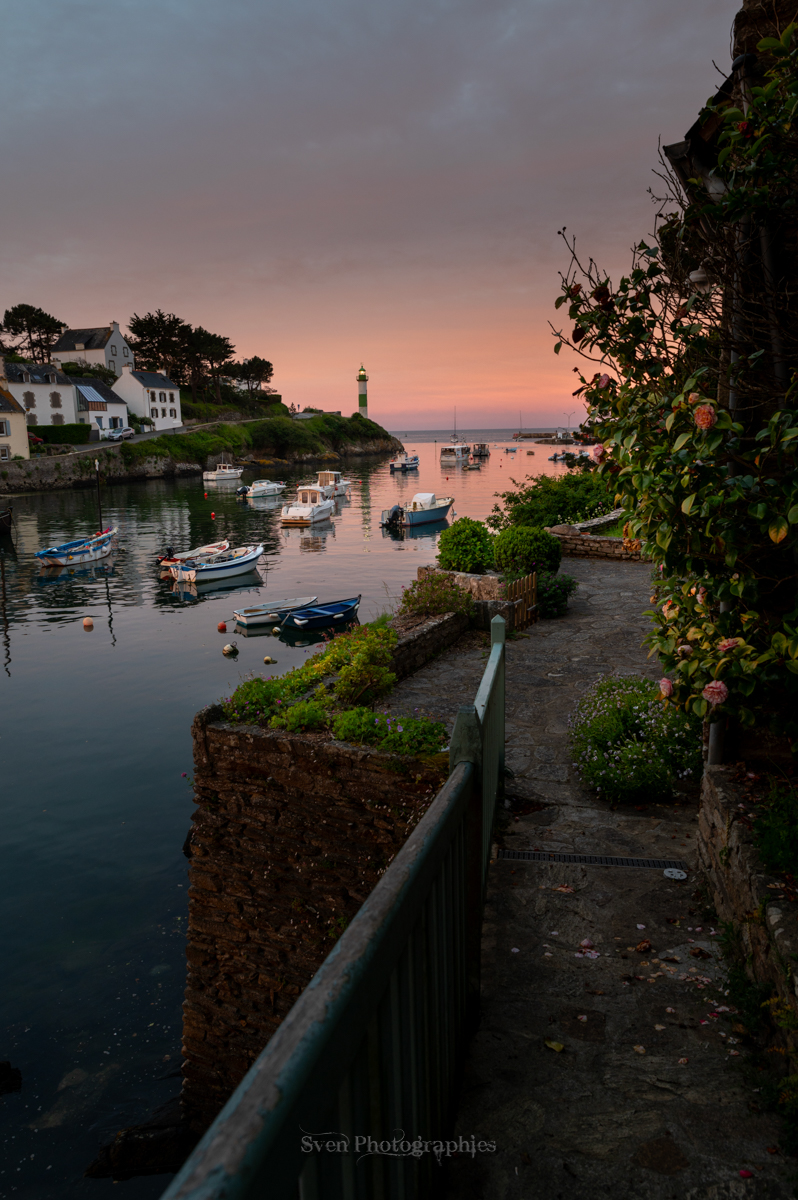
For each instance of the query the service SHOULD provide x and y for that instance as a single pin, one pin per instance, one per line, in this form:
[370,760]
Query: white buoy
[269,659]
[230,651]
[276,630]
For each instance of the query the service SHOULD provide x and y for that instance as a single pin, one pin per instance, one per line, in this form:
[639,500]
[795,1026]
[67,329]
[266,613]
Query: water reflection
[196,591]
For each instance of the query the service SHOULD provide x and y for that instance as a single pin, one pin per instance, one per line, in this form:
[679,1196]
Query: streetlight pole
[99,501]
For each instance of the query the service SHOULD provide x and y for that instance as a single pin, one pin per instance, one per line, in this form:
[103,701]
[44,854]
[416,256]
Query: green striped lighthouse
[362,395]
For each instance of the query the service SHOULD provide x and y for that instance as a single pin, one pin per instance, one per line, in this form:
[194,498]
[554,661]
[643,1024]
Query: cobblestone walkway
[649,1093]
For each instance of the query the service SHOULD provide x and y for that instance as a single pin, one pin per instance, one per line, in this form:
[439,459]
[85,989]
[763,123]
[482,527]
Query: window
[49,378]
[124,351]
[33,419]
[153,412]
[163,412]
[153,397]
[58,418]
[113,349]
[30,399]
[99,421]
[55,399]
[171,397]
[173,412]
[162,397]
[5,429]
[116,422]
[5,453]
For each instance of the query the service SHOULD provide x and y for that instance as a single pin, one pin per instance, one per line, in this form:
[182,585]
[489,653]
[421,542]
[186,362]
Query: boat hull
[423,516]
[265,614]
[306,514]
[205,572]
[74,554]
[218,476]
[322,616]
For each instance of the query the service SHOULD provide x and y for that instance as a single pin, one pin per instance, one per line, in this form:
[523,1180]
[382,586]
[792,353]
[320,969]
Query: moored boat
[424,507]
[481,450]
[310,505]
[221,566]
[6,518]
[82,550]
[201,554]
[333,483]
[223,471]
[322,616]
[262,487]
[268,614]
[404,462]
[455,451]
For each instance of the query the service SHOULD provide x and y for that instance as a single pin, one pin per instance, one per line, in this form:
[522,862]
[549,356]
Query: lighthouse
[362,395]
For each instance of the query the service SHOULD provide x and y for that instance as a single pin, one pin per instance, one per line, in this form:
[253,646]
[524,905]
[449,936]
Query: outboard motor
[394,518]
[242,491]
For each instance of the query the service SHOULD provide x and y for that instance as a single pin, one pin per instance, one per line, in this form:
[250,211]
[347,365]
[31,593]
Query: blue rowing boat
[322,616]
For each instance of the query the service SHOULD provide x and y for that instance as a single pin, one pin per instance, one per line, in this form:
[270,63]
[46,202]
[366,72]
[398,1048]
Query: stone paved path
[614,1112]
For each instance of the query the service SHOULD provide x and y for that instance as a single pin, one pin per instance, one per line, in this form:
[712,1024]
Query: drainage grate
[593,860]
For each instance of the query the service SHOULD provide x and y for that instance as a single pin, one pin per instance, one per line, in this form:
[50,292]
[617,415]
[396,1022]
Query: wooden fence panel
[526,590]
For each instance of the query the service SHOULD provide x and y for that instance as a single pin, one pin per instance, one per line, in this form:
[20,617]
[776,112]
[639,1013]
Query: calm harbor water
[95,751]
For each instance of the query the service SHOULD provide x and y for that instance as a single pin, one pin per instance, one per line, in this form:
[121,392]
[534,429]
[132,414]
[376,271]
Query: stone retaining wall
[426,641]
[486,591]
[584,545]
[768,931]
[290,835]
[77,470]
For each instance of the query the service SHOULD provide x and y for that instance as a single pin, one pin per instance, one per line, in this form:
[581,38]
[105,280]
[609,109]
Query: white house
[105,345]
[47,396]
[98,405]
[13,430]
[150,394]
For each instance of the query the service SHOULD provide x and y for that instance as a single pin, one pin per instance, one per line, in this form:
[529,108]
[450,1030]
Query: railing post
[498,635]
[466,746]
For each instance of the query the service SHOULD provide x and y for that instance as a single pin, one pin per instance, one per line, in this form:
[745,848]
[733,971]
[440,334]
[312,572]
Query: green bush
[73,434]
[554,592]
[629,744]
[776,829]
[435,594]
[527,549]
[546,500]
[402,735]
[465,546]
[368,674]
[305,714]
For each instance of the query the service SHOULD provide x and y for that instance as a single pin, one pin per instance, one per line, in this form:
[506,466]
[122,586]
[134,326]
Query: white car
[118,435]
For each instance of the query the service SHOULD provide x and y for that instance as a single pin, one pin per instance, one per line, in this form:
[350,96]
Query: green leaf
[791,665]
[558,303]
[792,515]
[681,440]
[724,154]
[557,347]
[688,503]
[669,422]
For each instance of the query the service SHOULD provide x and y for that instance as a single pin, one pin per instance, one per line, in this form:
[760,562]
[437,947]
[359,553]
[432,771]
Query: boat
[510,449]
[481,450]
[455,451]
[310,505]
[322,616]
[333,483]
[424,507]
[223,471]
[530,453]
[200,553]
[261,487]
[6,518]
[404,462]
[262,614]
[221,566]
[473,467]
[82,550]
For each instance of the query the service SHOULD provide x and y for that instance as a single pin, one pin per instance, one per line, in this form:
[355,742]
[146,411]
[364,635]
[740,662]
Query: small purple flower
[184,775]
[399,727]
[376,720]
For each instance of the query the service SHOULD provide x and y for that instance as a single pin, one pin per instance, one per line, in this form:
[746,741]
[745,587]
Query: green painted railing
[365,1068]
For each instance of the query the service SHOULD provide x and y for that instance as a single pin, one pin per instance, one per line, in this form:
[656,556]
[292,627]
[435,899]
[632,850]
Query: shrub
[554,591]
[402,735]
[368,674]
[629,744]
[72,434]
[776,829]
[544,500]
[465,546]
[527,549]
[435,594]
[305,714]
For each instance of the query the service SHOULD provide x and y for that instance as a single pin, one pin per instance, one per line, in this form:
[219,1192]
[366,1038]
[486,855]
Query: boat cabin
[329,478]
[456,450]
[421,501]
[310,495]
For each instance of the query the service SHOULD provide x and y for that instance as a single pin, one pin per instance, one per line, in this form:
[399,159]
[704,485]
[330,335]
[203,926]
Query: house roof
[37,372]
[90,339]
[153,379]
[8,404]
[100,391]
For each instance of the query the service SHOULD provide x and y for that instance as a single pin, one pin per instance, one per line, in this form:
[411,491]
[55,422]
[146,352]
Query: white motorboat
[404,462]
[456,451]
[84,550]
[334,483]
[268,614]
[310,505]
[424,507]
[262,487]
[223,471]
[221,566]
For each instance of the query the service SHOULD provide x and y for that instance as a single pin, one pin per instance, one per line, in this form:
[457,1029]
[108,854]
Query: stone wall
[740,887]
[585,545]
[77,470]
[290,835]
[486,591]
[413,649]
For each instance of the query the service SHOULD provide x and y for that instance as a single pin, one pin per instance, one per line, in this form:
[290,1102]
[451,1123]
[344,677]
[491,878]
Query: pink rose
[716,692]
[599,452]
[705,416]
[604,381]
[694,397]
[666,687]
[702,595]
[729,644]
[684,651]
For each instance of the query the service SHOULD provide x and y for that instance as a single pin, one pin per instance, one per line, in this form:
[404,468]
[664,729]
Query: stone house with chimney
[105,346]
[46,395]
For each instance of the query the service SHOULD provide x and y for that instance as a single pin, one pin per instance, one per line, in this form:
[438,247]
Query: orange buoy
[206,495]
[213,516]
[88,624]
[222,627]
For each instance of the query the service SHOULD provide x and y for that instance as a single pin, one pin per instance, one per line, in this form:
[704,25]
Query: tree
[158,342]
[255,372]
[90,371]
[216,353]
[36,331]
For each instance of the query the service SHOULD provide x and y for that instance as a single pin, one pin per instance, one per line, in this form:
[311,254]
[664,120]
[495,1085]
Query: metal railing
[365,1068]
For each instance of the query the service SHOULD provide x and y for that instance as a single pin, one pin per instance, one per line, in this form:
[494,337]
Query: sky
[334,181]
